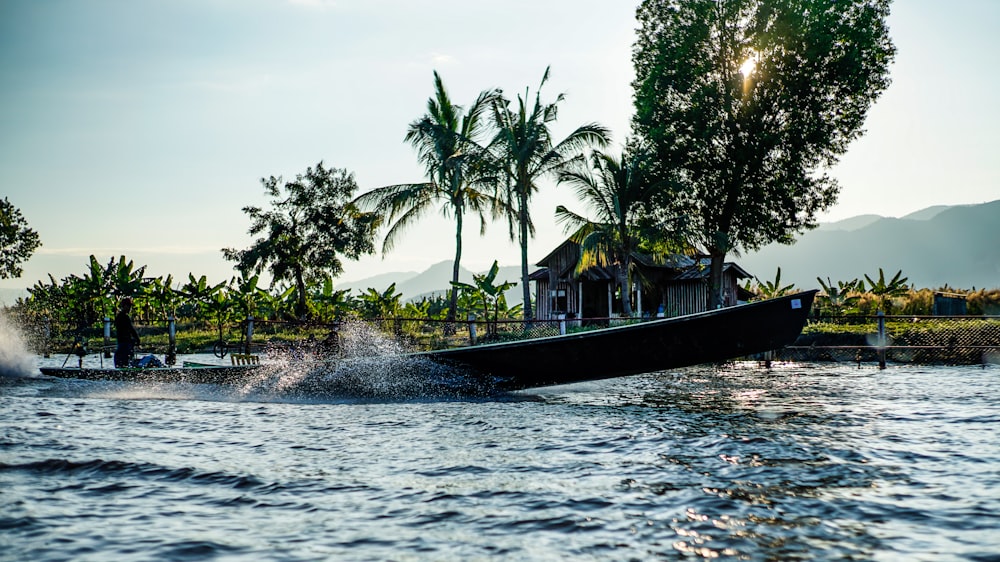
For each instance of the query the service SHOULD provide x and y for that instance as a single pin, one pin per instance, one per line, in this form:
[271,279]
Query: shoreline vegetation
[841,327]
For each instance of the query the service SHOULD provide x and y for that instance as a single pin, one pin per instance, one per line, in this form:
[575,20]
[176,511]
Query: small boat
[193,373]
[655,345]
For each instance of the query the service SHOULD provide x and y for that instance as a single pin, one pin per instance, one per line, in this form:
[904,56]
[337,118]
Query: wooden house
[673,288]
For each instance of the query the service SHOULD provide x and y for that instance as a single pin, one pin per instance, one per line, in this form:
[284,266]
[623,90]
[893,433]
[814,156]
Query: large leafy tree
[748,103]
[448,142]
[17,241]
[616,190]
[312,222]
[527,152]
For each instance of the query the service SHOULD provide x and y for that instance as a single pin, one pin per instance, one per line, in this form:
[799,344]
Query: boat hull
[713,336]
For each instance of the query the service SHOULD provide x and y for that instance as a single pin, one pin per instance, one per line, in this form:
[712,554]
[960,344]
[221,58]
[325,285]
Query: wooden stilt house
[671,287]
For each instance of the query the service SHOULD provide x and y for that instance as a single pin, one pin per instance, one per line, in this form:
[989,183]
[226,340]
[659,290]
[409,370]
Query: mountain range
[957,246]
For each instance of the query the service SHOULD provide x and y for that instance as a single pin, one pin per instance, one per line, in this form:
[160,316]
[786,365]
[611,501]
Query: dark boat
[655,345]
[669,343]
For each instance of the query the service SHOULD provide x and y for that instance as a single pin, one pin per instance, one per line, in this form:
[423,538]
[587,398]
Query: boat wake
[365,378]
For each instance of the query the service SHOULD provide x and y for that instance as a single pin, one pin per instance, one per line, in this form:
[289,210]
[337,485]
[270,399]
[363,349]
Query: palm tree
[524,146]
[447,143]
[615,188]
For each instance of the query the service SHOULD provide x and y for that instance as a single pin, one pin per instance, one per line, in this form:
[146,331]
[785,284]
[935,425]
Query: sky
[143,128]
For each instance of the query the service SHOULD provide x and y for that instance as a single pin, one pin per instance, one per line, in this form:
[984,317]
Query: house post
[171,356]
[107,337]
[638,299]
[579,298]
[881,340]
[249,334]
[611,297]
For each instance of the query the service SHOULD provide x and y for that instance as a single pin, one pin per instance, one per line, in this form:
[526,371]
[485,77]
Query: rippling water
[797,462]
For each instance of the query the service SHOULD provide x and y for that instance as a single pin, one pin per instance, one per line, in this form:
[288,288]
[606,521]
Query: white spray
[15,360]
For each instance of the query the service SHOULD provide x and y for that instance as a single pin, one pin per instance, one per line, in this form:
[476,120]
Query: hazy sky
[143,127]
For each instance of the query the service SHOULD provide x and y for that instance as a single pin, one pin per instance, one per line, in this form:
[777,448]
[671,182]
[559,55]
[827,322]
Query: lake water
[797,462]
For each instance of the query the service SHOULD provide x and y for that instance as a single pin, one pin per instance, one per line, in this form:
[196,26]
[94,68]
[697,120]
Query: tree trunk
[715,278]
[626,284]
[453,301]
[522,217]
[300,302]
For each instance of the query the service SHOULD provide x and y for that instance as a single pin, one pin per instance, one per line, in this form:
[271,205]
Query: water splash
[15,360]
[368,365]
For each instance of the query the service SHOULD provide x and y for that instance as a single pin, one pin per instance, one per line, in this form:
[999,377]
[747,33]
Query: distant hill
[928,213]
[956,246]
[434,280]
[852,223]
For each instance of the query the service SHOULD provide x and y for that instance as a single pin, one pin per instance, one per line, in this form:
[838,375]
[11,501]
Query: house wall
[564,259]
[689,297]
[677,297]
[544,300]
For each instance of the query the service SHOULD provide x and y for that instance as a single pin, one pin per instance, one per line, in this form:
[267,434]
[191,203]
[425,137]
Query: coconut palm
[527,153]
[615,188]
[448,145]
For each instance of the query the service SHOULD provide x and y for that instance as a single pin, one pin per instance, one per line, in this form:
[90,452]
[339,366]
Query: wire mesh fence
[942,340]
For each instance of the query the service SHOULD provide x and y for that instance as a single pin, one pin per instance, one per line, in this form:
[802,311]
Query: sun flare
[748,66]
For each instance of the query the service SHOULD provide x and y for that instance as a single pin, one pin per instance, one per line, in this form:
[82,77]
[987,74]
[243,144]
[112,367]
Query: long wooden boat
[668,343]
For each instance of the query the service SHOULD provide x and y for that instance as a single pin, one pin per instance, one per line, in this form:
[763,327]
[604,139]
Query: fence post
[562,324]
[881,340]
[171,356]
[472,328]
[107,337]
[249,334]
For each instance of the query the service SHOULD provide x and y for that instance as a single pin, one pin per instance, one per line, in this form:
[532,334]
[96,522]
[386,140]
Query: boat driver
[128,338]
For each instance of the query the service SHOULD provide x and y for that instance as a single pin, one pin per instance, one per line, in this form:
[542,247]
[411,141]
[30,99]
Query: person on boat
[128,337]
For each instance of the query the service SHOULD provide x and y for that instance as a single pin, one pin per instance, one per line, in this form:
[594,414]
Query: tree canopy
[311,224]
[748,103]
[17,241]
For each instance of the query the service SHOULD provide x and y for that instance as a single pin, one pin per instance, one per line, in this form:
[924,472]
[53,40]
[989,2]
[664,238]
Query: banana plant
[199,292]
[220,307]
[247,296]
[124,280]
[771,290]
[161,295]
[380,305]
[488,294]
[330,304]
[840,297]
[884,291]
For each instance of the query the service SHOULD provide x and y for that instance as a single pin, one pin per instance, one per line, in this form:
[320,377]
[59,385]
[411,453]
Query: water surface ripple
[799,462]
